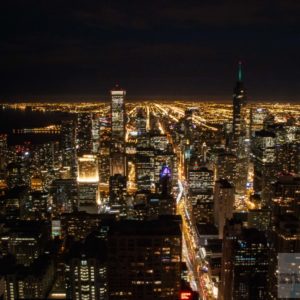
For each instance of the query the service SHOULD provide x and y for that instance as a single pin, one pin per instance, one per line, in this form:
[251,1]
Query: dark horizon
[167,49]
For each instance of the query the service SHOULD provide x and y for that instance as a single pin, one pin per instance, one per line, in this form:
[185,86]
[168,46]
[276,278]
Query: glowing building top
[88,169]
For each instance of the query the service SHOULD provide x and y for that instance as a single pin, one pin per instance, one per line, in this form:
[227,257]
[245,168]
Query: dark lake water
[16,119]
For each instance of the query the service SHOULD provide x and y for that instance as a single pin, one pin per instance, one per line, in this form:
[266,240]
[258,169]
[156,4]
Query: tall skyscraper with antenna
[239,142]
[239,108]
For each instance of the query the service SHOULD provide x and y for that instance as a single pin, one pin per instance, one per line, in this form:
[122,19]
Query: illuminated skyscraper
[141,122]
[257,119]
[117,194]
[244,263]
[223,203]
[84,134]
[284,234]
[117,151]
[200,194]
[67,144]
[86,272]
[239,145]
[239,107]
[144,259]
[88,183]
[264,157]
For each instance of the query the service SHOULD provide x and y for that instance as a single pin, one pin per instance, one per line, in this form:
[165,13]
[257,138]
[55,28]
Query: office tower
[117,195]
[165,179]
[118,131]
[149,255]
[223,203]
[64,195]
[88,169]
[68,146]
[36,184]
[239,109]
[240,145]
[84,143]
[47,157]
[86,272]
[143,127]
[32,282]
[160,204]
[257,119]
[226,167]
[13,203]
[17,174]
[104,151]
[37,206]
[167,202]
[95,133]
[200,194]
[145,171]
[286,196]
[264,158]
[88,184]
[288,157]
[244,263]
[141,122]
[168,158]
[25,240]
[259,219]
[204,152]
[284,236]
[79,224]
[159,141]
[287,147]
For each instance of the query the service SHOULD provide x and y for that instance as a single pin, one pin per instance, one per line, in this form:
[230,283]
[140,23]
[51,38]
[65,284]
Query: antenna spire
[240,72]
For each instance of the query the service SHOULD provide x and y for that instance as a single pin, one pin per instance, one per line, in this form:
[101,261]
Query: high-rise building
[117,195]
[104,150]
[287,147]
[86,272]
[284,233]
[88,169]
[149,255]
[257,119]
[240,145]
[226,167]
[118,131]
[68,146]
[145,170]
[95,133]
[239,108]
[84,143]
[244,263]
[200,195]
[141,122]
[223,203]
[166,158]
[64,195]
[88,184]
[79,224]
[264,158]
[25,240]
[32,282]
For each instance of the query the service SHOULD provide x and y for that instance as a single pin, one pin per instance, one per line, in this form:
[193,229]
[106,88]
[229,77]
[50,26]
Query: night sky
[65,50]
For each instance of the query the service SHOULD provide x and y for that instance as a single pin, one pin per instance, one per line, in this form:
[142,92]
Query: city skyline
[144,200]
[149,150]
